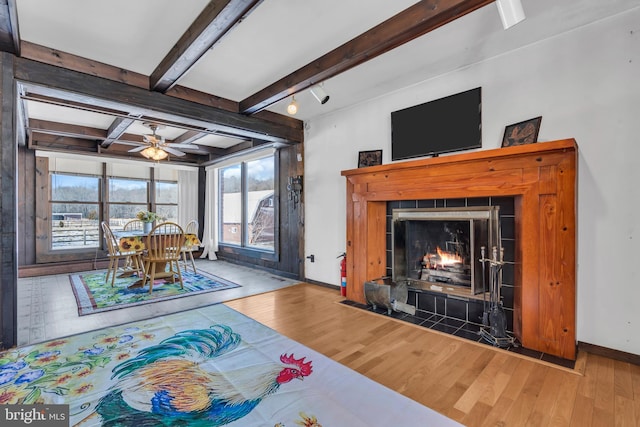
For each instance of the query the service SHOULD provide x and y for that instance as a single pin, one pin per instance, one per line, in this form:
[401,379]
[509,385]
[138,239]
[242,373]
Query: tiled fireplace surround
[535,186]
[428,303]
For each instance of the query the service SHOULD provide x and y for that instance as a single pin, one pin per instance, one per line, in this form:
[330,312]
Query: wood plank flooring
[471,383]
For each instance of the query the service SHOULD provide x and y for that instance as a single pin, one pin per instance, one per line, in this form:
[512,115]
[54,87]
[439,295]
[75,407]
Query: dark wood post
[8,205]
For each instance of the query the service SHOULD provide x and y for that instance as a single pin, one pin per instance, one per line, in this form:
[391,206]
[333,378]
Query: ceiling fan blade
[135,150]
[180,145]
[172,151]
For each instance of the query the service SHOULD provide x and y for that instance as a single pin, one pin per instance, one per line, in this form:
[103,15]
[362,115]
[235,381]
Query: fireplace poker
[485,312]
[497,318]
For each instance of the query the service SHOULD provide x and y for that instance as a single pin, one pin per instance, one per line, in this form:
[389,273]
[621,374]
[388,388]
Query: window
[75,211]
[78,193]
[127,197]
[231,204]
[247,208]
[260,210]
[167,200]
[76,206]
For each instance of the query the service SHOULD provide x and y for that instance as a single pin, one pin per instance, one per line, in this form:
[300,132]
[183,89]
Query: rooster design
[168,384]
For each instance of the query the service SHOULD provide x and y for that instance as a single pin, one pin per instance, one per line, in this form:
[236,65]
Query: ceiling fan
[156,148]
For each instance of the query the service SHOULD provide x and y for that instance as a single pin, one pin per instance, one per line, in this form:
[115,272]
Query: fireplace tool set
[494,321]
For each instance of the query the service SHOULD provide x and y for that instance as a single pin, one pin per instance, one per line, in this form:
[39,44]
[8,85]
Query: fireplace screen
[440,248]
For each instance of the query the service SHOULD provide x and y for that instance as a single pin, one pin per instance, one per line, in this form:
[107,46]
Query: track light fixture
[292,108]
[318,93]
[511,12]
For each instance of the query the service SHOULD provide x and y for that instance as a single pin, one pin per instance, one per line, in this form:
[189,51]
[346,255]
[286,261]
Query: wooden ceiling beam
[189,137]
[56,142]
[68,144]
[75,133]
[83,65]
[74,87]
[116,130]
[215,20]
[62,59]
[64,129]
[413,22]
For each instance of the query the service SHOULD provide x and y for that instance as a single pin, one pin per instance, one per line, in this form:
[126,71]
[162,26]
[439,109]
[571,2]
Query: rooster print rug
[94,295]
[210,366]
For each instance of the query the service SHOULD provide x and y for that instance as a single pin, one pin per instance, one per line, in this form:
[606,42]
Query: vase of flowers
[147,218]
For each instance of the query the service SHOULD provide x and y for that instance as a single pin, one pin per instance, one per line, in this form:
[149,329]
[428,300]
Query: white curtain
[210,231]
[187,196]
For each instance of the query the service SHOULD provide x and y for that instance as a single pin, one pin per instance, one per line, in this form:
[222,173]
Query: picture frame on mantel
[369,158]
[521,133]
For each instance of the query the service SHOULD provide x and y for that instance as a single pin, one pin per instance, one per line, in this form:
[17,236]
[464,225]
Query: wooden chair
[132,258]
[162,256]
[133,225]
[191,228]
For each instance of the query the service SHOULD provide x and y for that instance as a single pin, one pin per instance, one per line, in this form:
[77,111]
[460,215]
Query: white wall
[586,85]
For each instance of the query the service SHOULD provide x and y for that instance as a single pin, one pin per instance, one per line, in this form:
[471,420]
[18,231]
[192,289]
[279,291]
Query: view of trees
[76,206]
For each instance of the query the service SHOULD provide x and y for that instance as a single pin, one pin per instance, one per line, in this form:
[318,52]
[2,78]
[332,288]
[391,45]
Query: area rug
[94,295]
[210,366]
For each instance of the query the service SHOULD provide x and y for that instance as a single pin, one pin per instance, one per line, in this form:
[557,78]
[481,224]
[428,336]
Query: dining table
[129,240]
[135,240]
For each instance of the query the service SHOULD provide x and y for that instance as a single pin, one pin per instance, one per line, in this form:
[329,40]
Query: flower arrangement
[147,216]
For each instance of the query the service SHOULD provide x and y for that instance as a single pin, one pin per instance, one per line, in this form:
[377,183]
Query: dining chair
[187,249]
[132,258]
[162,256]
[134,224]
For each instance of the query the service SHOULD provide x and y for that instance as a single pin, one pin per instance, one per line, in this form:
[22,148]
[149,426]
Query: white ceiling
[281,36]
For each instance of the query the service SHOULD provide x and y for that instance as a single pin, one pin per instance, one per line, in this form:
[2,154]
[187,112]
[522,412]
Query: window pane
[260,206]
[231,205]
[75,188]
[120,214]
[74,225]
[128,190]
[167,192]
[168,212]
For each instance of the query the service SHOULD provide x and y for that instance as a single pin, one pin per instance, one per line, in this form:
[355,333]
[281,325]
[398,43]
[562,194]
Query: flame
[448,258]
[442,259]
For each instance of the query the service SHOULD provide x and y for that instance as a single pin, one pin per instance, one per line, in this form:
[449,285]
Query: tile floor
[47,308]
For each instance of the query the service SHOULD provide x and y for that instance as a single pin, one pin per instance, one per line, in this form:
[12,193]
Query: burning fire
[441,259]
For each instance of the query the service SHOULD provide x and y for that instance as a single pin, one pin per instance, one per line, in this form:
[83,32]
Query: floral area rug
[210,366]
[94,295]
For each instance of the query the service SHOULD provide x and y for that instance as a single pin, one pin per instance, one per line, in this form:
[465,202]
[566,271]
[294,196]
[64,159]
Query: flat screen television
[445,125]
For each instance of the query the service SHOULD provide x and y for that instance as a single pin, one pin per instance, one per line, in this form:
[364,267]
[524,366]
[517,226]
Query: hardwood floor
[471,383]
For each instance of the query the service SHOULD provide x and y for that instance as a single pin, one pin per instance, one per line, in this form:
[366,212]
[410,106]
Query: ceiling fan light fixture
[511,12]
[292,108]
[154,153]
[319,93]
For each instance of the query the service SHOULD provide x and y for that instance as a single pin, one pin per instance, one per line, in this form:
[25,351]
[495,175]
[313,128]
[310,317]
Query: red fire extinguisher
[343,274]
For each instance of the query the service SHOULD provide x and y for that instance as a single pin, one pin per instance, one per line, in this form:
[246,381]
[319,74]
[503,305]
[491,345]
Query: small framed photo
[369,158]
[522,133]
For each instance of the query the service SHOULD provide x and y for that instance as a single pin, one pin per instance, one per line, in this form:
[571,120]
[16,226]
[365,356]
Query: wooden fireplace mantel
[542,179]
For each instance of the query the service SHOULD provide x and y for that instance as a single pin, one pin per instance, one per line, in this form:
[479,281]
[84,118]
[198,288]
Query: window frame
[44,253]
[244,249]
[97,203]
[154,186]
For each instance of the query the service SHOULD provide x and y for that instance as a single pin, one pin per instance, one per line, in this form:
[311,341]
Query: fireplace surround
[540,177]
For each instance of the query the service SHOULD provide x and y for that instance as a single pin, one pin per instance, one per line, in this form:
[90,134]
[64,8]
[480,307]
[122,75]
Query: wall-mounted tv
[453,123]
